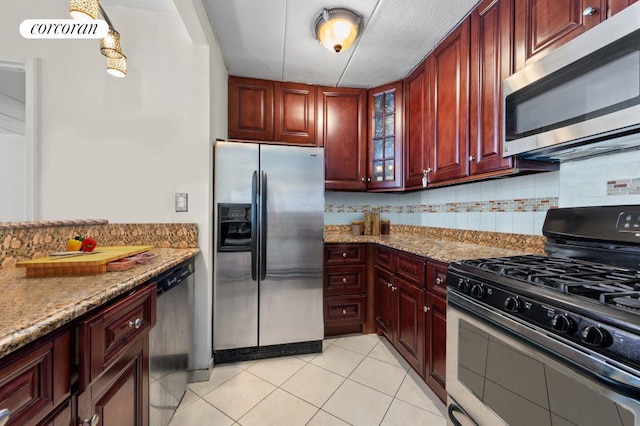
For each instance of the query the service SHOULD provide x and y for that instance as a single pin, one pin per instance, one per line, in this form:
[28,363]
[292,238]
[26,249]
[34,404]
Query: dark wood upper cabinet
[544,25]
[416,148]
[295,113]
[385,137]
[448,120]
[250,109]
[342,131]
[615,6]
[490,63]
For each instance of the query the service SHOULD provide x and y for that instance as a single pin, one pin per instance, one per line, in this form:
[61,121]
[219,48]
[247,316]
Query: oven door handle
[614,377]
[453,408]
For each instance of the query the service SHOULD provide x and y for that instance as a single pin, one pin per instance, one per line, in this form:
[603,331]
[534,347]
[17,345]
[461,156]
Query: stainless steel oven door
[498,375]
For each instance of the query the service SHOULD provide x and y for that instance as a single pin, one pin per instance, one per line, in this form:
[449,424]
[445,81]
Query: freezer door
[235,293]
[291,265]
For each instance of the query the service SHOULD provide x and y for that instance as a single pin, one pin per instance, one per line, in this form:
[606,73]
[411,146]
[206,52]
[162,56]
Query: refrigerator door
[235,293]
[291,265]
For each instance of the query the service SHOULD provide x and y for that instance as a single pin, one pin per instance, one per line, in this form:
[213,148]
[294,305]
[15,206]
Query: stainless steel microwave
[581,100]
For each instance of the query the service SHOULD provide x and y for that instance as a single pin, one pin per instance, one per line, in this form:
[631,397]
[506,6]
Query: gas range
[589,304]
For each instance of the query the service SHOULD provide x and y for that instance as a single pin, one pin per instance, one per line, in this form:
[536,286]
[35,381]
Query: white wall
[13,206]
[119,149]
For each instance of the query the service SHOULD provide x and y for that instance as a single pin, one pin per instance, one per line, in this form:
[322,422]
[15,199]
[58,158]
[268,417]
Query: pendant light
[83,9]
[117,67]
[337,28]
[110,44]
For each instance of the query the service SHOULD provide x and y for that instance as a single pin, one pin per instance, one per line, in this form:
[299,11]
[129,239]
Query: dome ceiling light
[338,28]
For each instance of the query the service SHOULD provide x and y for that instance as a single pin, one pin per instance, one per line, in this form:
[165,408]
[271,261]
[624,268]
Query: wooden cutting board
[85,264]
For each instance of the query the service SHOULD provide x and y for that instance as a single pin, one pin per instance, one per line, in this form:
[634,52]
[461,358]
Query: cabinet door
[449,118]
[416,158]
[490,63]
[343,133]
[295,113]
[385,137]
[410,324]
[250,109]
[383,283]
[436,345]
[615,6]
[544,25]
[120,397]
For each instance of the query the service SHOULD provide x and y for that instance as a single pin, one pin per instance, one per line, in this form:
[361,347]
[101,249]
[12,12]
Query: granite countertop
[443,250]
[33,307]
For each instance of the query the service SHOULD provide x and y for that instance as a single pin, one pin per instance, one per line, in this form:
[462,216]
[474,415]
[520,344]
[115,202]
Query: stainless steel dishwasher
[170,342]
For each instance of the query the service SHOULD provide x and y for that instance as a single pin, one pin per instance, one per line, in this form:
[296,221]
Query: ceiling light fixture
[338,28]
[110,44]
[83,9]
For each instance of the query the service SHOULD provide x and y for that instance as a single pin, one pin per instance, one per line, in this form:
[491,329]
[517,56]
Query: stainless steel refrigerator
[269,224]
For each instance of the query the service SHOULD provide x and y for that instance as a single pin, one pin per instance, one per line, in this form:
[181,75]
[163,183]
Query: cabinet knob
[426,308]
[589,11]
[93,421]
[472,158]
[388,284]
[362,179]
[394,288]
[344,280]
[344,254]
[4,416]
[137,323]
[426,171]
[369,179]
[439,281]
[344,312]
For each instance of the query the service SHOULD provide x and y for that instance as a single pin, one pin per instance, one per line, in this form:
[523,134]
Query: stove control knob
[477,291]
[563,324]
[512,304]
[596,336]
[463,285]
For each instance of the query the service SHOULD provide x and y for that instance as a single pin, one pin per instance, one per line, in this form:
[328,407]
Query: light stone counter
[33,307]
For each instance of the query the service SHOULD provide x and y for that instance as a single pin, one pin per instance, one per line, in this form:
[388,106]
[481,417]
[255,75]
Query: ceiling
[274,40]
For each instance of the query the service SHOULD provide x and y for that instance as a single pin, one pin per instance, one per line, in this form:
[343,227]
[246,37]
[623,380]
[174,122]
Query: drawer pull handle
[439,281]
[344,280]
[426,308]
[4,416]
[93,421]
[344,312]
[344,254]
[137,323]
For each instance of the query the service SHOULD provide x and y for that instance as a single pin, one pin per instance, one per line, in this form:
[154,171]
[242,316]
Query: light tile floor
[357,380]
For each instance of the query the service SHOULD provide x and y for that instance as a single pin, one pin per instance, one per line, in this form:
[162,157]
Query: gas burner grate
[570,276]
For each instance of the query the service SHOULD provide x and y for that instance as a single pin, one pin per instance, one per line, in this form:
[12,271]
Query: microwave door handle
[263,227]
[254,226]
[455,409]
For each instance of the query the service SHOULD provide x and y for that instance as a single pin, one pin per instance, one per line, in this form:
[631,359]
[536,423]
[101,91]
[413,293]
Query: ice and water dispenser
[234,227]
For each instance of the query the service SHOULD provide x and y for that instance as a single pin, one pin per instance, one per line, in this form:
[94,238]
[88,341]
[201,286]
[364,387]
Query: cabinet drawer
[384,258]
[34,379]
[345,279]
[106,335]
[340,254]
[346,310]
[411,268]
[437,278]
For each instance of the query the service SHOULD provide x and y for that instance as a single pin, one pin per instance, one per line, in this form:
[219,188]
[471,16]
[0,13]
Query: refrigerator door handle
[263,227]
[254,226]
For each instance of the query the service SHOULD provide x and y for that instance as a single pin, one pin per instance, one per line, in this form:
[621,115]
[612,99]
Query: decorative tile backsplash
[623,187]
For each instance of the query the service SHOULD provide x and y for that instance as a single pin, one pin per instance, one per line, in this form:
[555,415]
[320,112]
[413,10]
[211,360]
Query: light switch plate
[182,202]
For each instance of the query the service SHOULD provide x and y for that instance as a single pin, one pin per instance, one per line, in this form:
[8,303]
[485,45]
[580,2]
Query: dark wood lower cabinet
[384,302]
[410,320]
[436,344]
[120,397]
